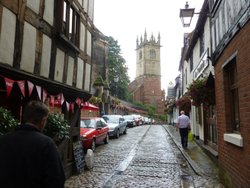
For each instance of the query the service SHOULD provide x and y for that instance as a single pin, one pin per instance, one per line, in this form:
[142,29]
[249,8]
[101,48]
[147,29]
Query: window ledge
[233,138]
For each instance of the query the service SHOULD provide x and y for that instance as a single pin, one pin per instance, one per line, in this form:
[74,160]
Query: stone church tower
[146,87]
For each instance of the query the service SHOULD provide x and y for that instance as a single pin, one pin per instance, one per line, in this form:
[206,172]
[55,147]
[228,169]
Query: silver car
[117,125]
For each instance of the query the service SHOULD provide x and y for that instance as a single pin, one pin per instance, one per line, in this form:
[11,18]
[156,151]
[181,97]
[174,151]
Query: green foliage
[99,81]
[57,128]
[7,121]
[150,109]
[95,100]
[117,67]
[162,118]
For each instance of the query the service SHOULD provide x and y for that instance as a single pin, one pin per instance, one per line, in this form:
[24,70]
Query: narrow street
[146,157]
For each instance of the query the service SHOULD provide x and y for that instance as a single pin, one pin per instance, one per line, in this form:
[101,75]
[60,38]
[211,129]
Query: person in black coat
[29,158]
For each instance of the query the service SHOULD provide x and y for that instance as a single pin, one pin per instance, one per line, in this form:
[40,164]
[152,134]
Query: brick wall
[235,161]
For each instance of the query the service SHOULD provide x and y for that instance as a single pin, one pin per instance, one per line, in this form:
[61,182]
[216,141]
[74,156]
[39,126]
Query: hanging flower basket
[184,103]
[200,94]
[95,100]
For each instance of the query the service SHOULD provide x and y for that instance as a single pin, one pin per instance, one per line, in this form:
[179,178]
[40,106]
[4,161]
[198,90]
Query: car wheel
[125,131]
[93,145]
[106,140]
[117,134]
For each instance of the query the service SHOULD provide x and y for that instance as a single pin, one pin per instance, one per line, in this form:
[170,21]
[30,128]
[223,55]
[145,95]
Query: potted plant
[7,121]
[57,128]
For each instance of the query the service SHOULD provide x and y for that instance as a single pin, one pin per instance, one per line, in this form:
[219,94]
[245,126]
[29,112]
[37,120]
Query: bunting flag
[9,85]
[21,85]
[45,94]
[52,100]
[62,99]
[30,87]
[39,91]
[78,101]
[71,106]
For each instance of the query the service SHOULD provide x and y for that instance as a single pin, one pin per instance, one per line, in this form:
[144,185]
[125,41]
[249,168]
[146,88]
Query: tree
[117,67]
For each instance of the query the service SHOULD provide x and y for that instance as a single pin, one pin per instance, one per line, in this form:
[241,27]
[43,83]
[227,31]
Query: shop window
[232,96]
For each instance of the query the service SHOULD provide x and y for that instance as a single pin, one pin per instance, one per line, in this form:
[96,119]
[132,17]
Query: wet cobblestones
[146,157]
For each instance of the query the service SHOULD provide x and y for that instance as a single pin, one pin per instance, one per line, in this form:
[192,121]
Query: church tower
[146,87]
[148,53]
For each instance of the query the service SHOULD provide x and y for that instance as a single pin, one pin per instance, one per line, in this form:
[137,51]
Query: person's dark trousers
[184,137]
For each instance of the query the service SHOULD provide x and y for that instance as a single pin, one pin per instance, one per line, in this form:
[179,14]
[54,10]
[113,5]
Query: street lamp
[186,15]
[116,79]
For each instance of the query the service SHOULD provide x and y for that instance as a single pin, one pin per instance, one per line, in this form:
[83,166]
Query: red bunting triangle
[30,87]
[9,85]
[21,84]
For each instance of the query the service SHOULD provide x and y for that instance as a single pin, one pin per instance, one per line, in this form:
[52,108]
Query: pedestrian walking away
[29,158]
[183,125]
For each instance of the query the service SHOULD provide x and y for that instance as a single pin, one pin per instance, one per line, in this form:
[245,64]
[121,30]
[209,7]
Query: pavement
[196,157]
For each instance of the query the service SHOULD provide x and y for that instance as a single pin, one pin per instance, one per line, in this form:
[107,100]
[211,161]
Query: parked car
[138,119]
[93,131]
[146,120]
[130,120]
[117,125]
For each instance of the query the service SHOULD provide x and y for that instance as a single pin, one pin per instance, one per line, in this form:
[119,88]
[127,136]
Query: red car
[93,131]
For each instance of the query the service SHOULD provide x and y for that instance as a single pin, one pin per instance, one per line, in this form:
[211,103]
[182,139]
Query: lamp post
[186,15]
[116,79]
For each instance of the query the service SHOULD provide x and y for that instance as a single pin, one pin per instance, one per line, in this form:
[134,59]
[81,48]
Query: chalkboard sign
[79,156]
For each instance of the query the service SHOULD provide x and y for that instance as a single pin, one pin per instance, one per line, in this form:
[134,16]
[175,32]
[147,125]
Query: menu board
[79,156]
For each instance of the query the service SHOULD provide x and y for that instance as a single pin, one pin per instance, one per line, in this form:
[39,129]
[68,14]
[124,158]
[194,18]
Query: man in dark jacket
[29,158]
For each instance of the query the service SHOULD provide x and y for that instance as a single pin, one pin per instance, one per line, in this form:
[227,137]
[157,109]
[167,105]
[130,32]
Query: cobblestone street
[146,157]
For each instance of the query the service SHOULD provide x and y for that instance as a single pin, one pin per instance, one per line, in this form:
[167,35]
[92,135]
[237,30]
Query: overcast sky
[124,20]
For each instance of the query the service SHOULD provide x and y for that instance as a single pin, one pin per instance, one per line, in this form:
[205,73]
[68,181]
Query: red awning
[89,106]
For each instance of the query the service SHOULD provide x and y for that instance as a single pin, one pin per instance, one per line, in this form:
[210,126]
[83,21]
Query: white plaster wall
[49,11]
[29,48]
[80,2]
[87,77]
[70,71]
[59,65]
[79,79]
[207,35]
[89,43]
[91,10]
[45,59]
[85,5]
[82,36]
[34,5]
[7,37]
